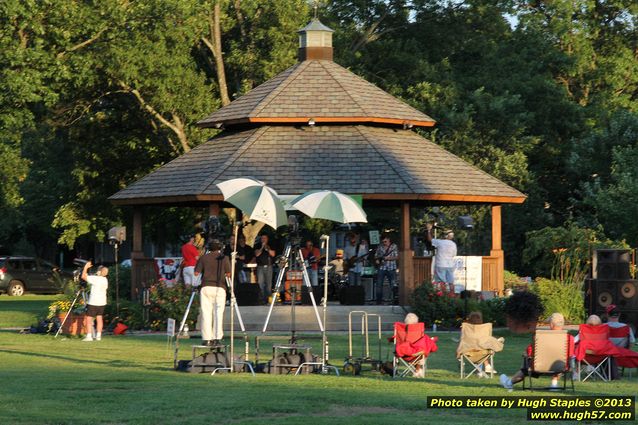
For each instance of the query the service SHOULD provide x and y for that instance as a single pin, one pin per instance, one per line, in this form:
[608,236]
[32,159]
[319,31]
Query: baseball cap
[612,310]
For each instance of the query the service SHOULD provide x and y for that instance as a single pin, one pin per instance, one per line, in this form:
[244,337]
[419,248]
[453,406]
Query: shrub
[171,303]
[435,303]
[561,297]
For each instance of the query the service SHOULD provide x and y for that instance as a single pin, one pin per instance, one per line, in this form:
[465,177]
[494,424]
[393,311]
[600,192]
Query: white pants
[189,276]
[212,301]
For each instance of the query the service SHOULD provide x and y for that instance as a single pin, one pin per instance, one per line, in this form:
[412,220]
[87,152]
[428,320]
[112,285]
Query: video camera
[77,273]
[214,232]
[294,231]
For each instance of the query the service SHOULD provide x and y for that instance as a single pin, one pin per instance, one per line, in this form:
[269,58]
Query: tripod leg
[68,312]
[188,309]
[280,276]
[306,279]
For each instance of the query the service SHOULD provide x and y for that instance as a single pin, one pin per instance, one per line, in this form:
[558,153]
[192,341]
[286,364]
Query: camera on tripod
[294,231]
[214,232]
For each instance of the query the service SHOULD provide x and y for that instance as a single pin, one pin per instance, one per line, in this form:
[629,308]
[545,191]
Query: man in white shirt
[445,253]
[97,300]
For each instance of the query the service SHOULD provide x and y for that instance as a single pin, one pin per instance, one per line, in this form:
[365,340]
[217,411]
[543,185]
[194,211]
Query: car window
[14,264]
[46,265]
[28,264]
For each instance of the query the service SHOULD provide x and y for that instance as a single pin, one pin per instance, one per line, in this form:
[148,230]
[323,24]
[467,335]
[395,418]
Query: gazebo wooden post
[138,251]
[406,257]
[497,248]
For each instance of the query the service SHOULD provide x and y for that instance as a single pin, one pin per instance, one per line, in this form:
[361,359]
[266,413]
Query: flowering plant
[436,303]
[62,306]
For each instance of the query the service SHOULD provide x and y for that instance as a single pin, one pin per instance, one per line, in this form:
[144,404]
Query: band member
[264,256]
[214,267]
[190,255]
[338,263]
[355,253]
[445,253]
[97,300]
[387,255]
[245,255]
[312,255]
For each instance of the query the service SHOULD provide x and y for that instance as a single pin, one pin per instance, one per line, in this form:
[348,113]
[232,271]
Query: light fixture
[407,125]
[311,122]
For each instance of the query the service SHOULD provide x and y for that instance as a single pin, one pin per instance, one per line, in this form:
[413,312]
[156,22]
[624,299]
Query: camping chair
[470,349]
[620,338]
[594,341]
[411,348]
[550,356]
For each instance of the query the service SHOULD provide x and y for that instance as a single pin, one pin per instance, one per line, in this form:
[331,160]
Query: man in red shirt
[190,255]
[312,255]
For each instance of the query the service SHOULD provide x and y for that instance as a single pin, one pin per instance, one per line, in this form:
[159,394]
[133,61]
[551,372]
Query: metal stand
[288,257]
[80,291]
[325,366]
[234,309]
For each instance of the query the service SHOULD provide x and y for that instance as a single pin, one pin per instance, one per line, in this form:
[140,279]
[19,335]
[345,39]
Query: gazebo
[317,125]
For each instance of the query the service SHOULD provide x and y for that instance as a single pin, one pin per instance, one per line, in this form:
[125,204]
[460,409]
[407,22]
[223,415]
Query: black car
[21,274]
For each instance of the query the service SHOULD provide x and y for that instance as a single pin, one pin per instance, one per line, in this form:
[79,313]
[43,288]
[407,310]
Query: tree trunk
[214,44]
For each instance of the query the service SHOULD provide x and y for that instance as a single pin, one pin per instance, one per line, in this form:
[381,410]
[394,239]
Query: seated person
[613,321]
[425,345]
[489,343]
[556,323]
[337,263]
[593,320]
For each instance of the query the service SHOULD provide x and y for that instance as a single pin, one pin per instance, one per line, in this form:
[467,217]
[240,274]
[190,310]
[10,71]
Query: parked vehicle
[21,274]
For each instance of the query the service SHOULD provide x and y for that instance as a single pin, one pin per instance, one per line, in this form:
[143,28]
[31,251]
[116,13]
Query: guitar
[352,261]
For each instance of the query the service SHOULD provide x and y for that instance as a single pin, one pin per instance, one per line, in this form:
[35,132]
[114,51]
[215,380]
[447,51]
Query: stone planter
[74,324]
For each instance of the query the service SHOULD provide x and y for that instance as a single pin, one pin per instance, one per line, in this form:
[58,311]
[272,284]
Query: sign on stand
[474,272]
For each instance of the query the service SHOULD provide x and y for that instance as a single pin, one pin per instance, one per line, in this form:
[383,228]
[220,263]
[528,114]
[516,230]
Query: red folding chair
[411,348]
[620,338]
[595,351]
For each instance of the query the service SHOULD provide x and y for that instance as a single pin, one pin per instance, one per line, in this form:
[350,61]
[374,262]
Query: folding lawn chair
[471,351]
[620,338]
[550,356]
[411,348]
[593,351]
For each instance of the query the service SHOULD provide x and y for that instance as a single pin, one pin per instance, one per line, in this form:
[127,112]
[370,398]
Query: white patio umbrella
[256,199]
[262,204]
[330,205]
[334,206]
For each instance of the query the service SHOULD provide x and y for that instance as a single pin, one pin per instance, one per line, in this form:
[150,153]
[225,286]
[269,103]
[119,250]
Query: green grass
[129,379]
[23,311]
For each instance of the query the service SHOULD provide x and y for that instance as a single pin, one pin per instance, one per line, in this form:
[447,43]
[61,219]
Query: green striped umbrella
[330,205]
[256,199]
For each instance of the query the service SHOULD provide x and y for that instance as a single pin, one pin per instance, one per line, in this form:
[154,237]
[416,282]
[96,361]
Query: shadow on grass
[112,363]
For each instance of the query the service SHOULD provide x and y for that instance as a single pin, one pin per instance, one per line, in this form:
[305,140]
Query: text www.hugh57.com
[570,415]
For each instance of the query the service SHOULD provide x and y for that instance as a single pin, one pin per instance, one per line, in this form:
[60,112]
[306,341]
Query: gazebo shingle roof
[320,90]
[376,162]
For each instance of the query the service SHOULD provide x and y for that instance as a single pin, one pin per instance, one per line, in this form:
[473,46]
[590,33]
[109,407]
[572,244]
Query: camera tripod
[286,262]
[77,295]
[233,305]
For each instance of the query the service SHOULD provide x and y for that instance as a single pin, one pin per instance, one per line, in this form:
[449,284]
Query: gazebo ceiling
[376,162]
[318,90]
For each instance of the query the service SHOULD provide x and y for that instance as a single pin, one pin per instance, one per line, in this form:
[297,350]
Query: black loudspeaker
[317,291]
[465,222]
[622,293]
[352,295]
[248,294]
[610,264]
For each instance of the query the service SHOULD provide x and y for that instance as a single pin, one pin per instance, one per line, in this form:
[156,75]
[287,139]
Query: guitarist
[387,255]
[355,253]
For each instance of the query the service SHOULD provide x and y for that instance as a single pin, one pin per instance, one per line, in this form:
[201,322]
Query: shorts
[95,310]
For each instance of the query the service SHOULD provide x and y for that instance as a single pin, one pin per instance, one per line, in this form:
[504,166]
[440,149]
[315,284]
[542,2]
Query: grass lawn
[128,379]
[23,311]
